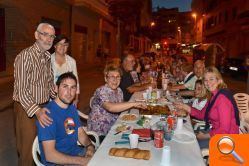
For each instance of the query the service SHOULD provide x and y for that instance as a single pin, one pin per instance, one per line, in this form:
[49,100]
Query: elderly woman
[62,63]
[108,102]
[221,110]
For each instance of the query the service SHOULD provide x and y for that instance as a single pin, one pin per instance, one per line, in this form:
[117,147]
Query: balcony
[100,6]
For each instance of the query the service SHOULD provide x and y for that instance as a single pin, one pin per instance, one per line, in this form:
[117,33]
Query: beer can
[158,138]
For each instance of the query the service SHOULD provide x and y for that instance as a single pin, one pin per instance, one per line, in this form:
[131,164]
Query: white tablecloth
[182,154]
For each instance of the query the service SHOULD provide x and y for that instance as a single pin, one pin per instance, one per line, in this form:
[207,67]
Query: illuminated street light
[152,24]
[179,34]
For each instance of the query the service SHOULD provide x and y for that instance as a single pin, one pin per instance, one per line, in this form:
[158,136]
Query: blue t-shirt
[64,130]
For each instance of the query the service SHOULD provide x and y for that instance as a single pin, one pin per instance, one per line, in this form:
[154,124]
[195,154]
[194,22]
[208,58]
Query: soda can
[171,122]
[158,138]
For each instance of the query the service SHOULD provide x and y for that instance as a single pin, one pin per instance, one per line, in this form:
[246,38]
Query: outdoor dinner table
[181,153]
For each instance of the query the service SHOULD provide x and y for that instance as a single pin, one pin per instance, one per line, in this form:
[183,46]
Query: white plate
[128,121]
[184,137]
[128,127]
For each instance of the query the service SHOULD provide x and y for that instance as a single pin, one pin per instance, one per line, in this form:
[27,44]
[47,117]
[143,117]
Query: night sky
[183,5]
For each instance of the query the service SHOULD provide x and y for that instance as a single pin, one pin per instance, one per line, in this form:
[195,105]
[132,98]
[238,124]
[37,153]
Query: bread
[130,153]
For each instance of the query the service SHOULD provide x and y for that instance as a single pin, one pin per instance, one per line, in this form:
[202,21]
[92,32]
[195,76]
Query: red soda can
[158,138]
[171,121]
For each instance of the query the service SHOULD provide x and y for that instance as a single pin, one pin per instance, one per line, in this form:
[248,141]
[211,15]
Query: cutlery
[127,141]
[117,132]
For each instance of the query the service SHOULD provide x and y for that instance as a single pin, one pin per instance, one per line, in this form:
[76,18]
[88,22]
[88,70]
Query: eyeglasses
[114,77]
[45,34]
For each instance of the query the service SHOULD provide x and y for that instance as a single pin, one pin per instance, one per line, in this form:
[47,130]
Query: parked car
[212,53]
[236,67]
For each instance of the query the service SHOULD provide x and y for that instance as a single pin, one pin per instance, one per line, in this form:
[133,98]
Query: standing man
[58,142]
[33,86]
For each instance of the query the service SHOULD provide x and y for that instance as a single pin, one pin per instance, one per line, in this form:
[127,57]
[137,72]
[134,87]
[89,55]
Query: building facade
[225,22]
[87,23]
[174,25]
[133,16]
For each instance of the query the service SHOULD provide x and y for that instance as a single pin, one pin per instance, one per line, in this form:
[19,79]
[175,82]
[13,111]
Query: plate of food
[129,118]
[155,110]
[123,127]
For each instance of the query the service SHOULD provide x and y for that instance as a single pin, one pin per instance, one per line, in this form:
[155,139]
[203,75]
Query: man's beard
[65,102]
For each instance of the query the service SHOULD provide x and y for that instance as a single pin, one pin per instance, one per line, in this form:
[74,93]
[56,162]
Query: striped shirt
[33,79]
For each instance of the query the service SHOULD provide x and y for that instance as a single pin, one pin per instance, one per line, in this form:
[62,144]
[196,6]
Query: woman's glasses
[114,77]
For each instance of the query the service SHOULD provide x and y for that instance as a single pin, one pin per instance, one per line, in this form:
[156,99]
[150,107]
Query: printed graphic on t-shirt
[69,126]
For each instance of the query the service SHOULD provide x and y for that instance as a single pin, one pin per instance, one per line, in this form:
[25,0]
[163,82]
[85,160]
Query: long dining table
[181,153]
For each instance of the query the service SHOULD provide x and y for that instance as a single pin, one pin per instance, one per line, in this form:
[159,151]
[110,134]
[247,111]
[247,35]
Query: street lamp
[194,15]
[179,34]
[152,24]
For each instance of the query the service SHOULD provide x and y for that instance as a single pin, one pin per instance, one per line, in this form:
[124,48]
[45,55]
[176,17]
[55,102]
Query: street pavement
[90,77]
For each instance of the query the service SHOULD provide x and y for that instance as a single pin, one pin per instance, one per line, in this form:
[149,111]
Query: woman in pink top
[220,111]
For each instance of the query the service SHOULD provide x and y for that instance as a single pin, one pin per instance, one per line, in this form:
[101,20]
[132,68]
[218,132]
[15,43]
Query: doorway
[80,44]
[2,41]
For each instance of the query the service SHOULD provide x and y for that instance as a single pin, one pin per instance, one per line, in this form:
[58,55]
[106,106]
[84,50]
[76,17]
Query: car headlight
[233,68]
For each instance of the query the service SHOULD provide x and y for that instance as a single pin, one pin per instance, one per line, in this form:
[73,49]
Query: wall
[21,19]
[23,16]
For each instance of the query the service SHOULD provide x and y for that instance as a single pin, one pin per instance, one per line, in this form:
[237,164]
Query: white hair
[40,26]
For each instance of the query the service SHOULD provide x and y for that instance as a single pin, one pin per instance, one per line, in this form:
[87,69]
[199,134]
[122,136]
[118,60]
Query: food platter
[129,118]
[155,110]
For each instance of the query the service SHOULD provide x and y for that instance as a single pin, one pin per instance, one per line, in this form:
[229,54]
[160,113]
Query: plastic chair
[90,102]
[242,100]
[94,134]
[82,115]
[36,152]
[205,155]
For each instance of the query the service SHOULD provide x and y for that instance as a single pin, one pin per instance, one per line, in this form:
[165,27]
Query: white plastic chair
[242,100]
[90,102]
[82,115]
[36,152]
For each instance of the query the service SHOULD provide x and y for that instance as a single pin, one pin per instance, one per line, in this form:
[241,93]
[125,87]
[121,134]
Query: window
[226,16]
[234,13]
[220,18]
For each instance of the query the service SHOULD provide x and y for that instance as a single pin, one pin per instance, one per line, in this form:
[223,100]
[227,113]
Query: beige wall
[233,34]
[21,19]
[112,29]
[86,18]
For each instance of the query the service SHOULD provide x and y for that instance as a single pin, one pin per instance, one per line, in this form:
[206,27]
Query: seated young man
[58,141]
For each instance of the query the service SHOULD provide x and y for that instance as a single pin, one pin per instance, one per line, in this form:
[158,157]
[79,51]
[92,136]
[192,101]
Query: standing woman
[62,63]
[220,111]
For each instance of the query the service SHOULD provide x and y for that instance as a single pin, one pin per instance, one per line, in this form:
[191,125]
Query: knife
[117,132]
